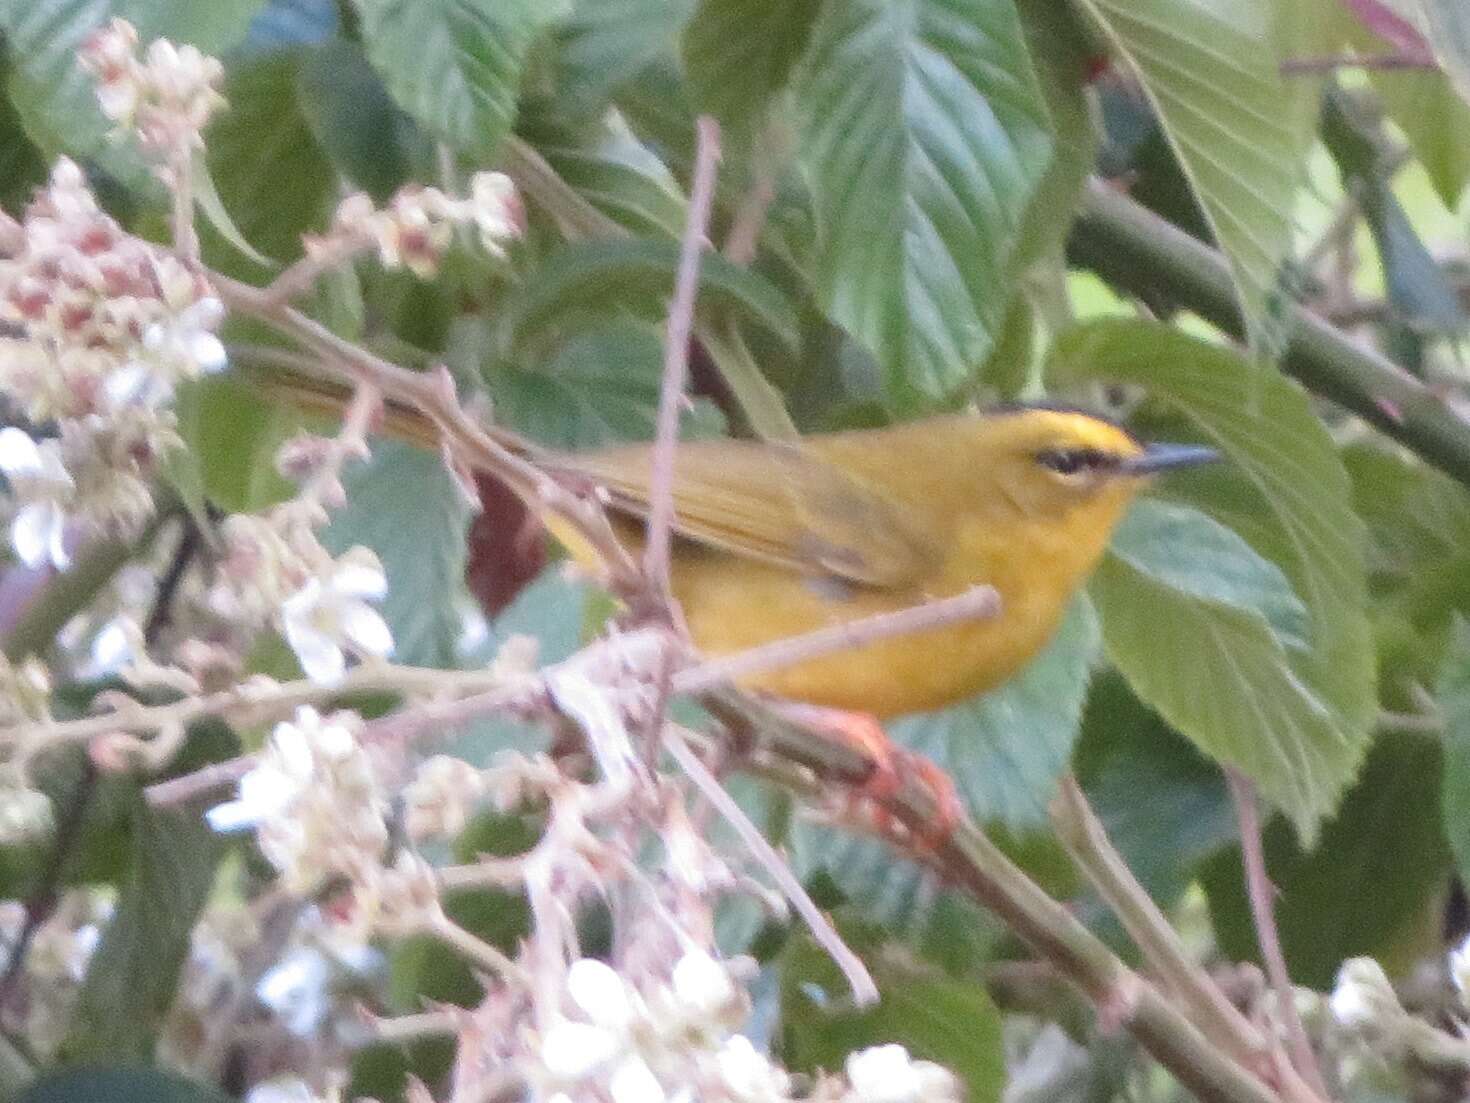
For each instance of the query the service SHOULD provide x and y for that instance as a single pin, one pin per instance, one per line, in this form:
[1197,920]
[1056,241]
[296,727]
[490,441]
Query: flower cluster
[275,571]
[416,228]
[54,966]
[675,1042]
[96,329]
[166,96]
[314,801]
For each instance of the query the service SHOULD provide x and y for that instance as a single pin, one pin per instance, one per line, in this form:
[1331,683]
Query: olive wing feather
[774,502]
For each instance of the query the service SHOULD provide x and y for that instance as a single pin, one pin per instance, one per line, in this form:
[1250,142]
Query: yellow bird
[773,540]
[780,539]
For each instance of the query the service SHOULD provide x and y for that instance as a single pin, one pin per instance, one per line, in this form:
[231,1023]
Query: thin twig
[300,277]
[574,215]
[676,357]
[186,237]
[1262,896]
[976,603]
[445,711]
[864,991]
[1081,833]
[1301,66]
[478,950]
[274,701]
[161,614]
[40,905]
[968,861]
[407,1028]
[432,394]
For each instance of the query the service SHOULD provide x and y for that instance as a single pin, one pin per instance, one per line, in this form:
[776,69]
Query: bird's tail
[400,421]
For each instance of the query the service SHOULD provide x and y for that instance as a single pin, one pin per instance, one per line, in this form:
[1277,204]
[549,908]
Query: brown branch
[968,861]
[676,358]
[1262,896]
[602,662]
[1082,835]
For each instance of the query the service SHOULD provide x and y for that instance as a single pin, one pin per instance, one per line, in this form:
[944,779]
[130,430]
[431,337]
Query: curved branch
[1133,248]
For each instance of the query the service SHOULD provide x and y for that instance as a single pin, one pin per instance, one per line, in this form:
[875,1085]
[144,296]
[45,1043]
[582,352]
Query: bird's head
[1061,463]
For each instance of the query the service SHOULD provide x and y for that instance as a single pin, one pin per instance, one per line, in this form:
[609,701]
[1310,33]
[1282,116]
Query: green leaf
[1417,517]
[924,136]
[1239,128]
[605,43]
[936,1018]
[621,177]
[738,54]
[1453,695]
[1007,748]
[1436,120]
[1354,895]
[1297,722]
[119,1084]
[22,167]
[1446,26]
[1061,54]
[638,275]
[1221,676]
[231,435]
[1127,749]
[132,979]
[1188,551]
[455,65]
[600,386]
[354,120]
[273,179]
[57,101]
[206,198]
[408,509]
[1422,102]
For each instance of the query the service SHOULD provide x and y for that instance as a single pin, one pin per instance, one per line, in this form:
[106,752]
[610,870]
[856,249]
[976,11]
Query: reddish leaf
[1393,28]
[505,545]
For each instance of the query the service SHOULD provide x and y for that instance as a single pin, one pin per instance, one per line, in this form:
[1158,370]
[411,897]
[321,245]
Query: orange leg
[891,766]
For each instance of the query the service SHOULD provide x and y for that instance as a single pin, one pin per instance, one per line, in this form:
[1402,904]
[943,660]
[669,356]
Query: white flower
[572,1050]
[633,1082]
[137,384]
[283,1089]
[38,477]
[601,994]
[326,614]
[1362,997]
[748,1075]
[112,648]
[496,209]
[297,990]
[702,985]
[314,800]
[1460,968]
[883,1074]
[287,769]
[185,344]
[887,1074]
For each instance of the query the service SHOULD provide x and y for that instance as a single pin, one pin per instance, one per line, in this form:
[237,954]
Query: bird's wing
[775,502]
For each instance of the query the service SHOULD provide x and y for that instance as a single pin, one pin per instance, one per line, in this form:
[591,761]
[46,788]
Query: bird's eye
[1071,461]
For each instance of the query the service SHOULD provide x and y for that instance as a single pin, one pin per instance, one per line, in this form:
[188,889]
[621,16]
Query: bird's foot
[892,766]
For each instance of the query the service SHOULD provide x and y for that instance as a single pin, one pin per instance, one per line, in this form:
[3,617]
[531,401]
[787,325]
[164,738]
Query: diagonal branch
[1136,250]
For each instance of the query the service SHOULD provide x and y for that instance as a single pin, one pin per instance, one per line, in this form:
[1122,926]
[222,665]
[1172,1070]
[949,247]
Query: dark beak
[1166,457]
